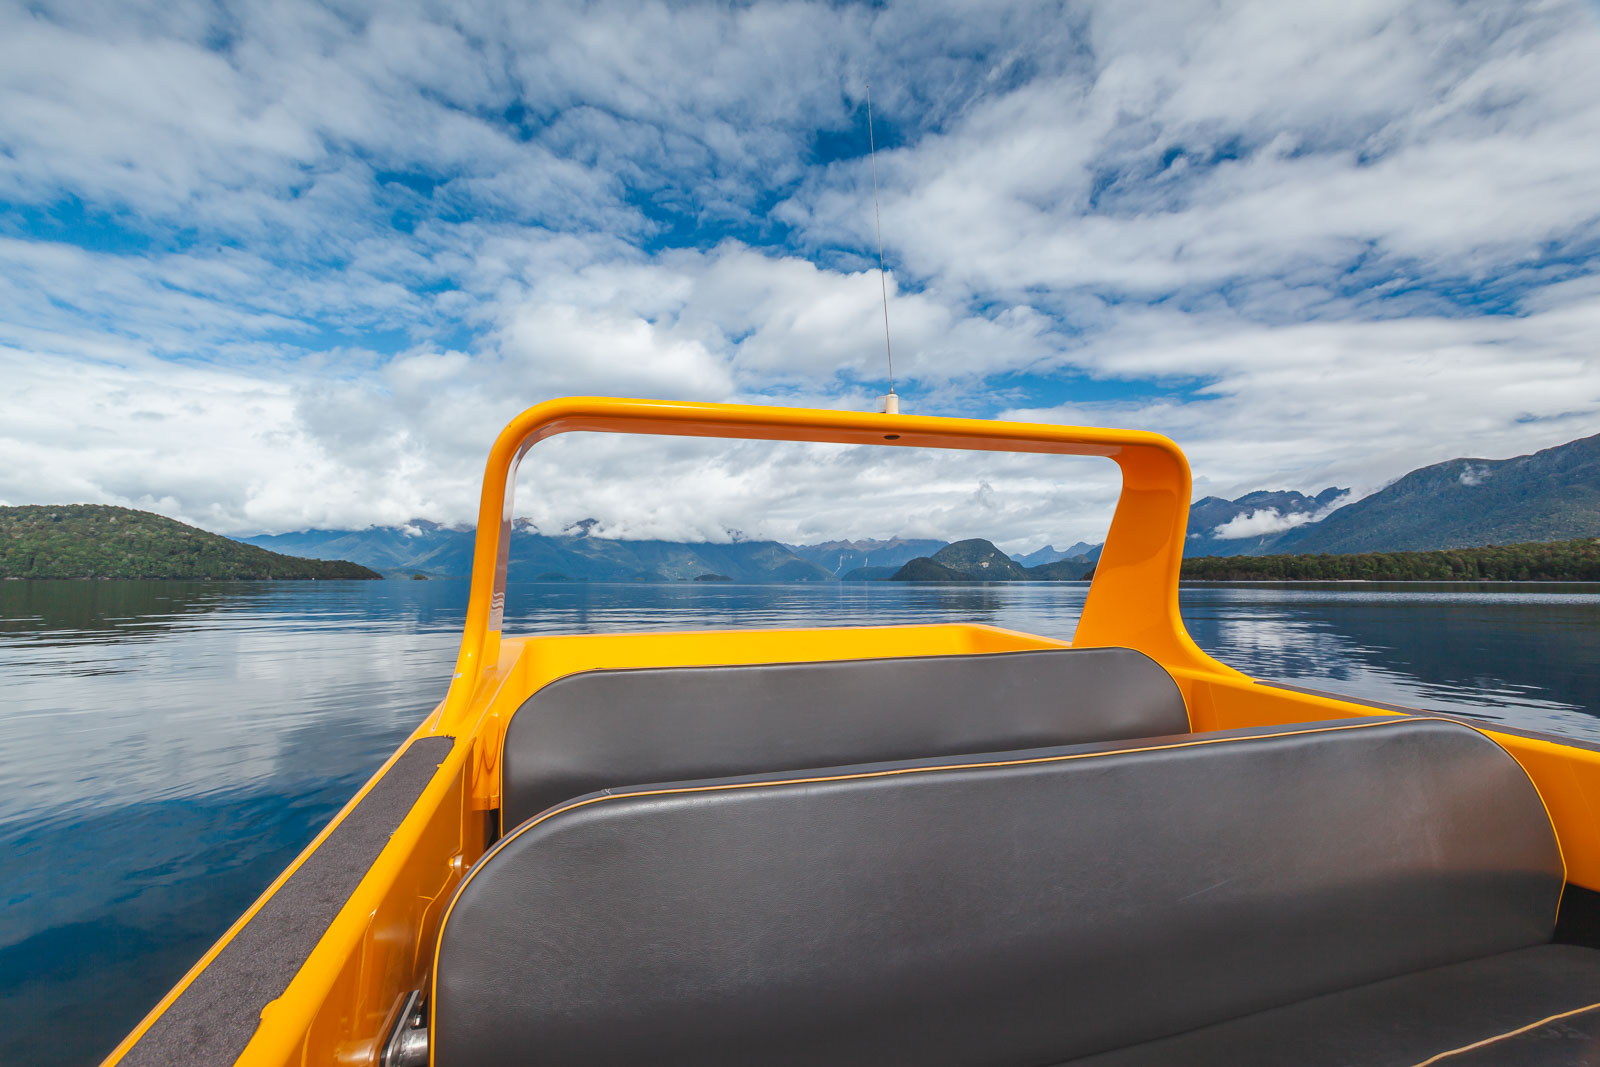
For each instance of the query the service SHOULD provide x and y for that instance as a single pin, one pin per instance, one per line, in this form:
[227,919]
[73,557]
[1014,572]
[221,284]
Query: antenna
[891,403]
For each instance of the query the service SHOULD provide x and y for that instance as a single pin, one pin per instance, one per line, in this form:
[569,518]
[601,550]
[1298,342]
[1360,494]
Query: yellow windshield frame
[1132,602]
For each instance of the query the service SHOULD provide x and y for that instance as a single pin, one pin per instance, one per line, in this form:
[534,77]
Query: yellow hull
[341,1001]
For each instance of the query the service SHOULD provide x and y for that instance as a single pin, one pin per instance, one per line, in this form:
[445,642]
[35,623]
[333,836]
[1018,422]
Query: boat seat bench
[1378,891]
[602,728]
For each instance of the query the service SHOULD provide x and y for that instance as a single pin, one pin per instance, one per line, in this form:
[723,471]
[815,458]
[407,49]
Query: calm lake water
[168,747]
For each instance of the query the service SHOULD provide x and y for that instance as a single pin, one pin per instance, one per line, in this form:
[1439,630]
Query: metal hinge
[407,1043]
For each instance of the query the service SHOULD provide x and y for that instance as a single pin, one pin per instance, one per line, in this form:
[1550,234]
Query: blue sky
[277,265]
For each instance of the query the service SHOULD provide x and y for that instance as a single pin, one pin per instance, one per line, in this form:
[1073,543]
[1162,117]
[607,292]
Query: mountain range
[1551,495]
[429,548]
[839,558]
[1252,524]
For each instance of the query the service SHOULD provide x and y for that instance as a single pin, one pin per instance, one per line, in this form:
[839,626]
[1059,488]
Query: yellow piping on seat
[1436,1057]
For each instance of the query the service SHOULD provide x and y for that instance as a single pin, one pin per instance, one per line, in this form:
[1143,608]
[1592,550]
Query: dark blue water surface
[169,747]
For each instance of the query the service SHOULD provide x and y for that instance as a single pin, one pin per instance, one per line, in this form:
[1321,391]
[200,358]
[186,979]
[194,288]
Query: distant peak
[970,544]
[1330,494]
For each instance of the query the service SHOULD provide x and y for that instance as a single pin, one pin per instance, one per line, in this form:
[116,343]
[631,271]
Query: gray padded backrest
[1017,913]
[622,727]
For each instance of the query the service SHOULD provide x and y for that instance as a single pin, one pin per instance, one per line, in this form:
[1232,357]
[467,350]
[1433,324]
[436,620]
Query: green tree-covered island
[1545,561]
[99,541]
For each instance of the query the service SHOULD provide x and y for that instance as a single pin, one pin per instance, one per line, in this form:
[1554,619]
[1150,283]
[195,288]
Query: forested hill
[1551,495]
[1545,561]
[98,541]
[977,560]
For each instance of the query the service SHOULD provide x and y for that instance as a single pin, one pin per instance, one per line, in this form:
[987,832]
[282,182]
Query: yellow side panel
[1569,781]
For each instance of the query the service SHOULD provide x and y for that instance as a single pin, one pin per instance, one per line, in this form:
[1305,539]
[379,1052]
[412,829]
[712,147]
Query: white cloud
[1259,523]
[282,266]
[1256,141]
[1308,405]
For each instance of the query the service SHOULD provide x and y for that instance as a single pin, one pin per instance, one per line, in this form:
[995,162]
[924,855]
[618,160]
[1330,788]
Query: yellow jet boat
[942,846]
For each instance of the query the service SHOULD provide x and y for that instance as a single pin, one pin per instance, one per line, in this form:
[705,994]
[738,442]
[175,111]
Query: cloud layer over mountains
[265,267]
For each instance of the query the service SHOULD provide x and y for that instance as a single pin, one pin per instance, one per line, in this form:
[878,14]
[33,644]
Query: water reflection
[168,747]
[71,613]
[1525,655]
[68,611]
[106,909]
[581,607]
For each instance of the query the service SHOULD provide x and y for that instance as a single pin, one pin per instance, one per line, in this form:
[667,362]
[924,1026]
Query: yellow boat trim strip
[1548,1019]
[1490,726]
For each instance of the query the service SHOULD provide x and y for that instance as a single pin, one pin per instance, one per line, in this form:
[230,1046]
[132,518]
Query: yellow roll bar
[1133,600]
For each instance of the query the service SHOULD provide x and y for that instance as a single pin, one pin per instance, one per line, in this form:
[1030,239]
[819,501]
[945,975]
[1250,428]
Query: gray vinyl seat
[1376,891]
[605,728]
